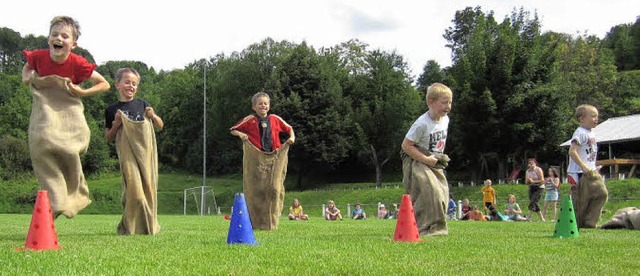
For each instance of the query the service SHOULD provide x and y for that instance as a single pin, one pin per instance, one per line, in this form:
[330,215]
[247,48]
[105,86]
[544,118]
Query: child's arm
[157,121]
[573,153]
[110,133]
[409,147]
[292,137]
[242,136]
[99,85]
[27,72]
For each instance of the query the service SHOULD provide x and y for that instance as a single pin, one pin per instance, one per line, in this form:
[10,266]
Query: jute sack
[138,157]
[263,184]
[429,192]
[58,136]
[589,198]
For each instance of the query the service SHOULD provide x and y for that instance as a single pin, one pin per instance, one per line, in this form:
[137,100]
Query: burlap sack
[138,156]
[589,197]
[58,135]
[628,218]
[429,192]
[263,184]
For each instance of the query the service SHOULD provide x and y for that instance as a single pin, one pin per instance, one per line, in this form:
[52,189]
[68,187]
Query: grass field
[190,245]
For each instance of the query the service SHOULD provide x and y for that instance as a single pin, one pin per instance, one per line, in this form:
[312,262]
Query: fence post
[349,210]
[324,215]
[459,210]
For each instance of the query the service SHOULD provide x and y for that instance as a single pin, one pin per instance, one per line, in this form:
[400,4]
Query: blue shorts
[551,196]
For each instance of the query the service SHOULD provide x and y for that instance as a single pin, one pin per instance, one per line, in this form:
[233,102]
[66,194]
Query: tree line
[515,89]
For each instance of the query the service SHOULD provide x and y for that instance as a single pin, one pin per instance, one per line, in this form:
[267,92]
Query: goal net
[199,200]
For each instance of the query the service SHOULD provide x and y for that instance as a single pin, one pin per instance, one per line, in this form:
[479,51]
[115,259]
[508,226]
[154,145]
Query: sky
[170,35]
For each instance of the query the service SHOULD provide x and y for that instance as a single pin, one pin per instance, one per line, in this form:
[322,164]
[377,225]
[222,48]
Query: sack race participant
[58,136]
[265,160]
[423,161]
[627,218]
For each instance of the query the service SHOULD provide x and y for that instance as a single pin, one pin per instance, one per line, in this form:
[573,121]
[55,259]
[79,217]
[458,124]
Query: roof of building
[616,130]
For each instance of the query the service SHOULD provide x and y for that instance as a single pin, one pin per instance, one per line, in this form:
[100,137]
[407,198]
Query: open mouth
[57,45]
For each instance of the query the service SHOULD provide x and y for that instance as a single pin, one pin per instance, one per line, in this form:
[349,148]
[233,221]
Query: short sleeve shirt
[134,110]
[429,134]
[587,150]
[75,67]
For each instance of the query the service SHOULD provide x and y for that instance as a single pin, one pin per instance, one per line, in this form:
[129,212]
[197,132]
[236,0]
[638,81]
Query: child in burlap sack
[130,122]
[58,131]
[423,161]
[264,162]
[587,185]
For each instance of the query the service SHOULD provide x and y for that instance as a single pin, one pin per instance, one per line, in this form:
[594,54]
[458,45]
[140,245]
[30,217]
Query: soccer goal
[200,200]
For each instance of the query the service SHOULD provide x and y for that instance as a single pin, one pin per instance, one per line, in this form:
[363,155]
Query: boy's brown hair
[435,90]
[67,21]
[125,70]
[255,97]
[583,110]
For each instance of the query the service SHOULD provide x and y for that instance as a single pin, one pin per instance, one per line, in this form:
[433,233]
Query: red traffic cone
[406,227]
[42,231]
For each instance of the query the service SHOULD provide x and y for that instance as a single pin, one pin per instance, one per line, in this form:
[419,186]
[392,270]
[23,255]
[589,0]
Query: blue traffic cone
[240,230]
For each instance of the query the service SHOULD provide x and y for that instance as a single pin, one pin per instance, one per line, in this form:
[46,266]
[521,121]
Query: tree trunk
[376,164]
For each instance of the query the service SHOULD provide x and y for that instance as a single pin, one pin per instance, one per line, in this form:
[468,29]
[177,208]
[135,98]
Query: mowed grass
[189,245]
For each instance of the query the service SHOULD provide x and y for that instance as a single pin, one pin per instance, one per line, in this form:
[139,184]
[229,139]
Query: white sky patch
[171,34]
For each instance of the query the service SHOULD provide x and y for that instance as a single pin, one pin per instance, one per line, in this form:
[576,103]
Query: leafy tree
[10,55]
[431,73]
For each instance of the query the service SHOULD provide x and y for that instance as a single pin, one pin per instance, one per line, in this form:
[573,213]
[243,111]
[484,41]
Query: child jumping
[423,161]
[58,130]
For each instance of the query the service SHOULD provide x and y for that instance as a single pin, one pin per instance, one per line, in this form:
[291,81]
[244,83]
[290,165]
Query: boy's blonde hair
[583,110]
[436,90]
[125,70]
[255,97]
[66,21]
[488,181]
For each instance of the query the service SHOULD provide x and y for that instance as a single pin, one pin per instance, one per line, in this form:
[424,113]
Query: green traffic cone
[566,226]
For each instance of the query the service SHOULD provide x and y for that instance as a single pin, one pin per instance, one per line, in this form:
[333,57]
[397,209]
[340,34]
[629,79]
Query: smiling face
[61,42]
[127,86]
[261,106]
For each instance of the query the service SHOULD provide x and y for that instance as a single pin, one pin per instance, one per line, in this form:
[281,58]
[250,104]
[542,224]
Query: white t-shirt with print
[429,134]
[587,150]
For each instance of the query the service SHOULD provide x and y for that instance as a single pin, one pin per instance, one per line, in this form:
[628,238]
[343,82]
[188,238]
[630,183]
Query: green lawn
[197,245]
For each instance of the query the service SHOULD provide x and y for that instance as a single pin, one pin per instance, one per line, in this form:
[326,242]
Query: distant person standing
[551,186]
[587,185]
[535,179]
[488,194]
[423,161]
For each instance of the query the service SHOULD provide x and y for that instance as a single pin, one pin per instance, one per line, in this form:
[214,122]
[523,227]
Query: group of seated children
[512,211]
[333,213]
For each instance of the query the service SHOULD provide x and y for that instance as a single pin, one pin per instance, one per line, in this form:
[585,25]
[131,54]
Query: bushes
[14,158]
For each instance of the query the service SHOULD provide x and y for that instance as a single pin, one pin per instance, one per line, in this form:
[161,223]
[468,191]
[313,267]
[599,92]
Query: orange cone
[42,232]
[406,227]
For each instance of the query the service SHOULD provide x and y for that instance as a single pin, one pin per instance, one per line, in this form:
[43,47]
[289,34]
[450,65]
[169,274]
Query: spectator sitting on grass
[358,213]
[332,213]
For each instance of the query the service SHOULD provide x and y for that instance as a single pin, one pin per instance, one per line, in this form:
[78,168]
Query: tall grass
[196,245]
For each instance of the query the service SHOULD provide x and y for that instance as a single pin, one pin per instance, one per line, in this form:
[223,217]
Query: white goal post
[200,200]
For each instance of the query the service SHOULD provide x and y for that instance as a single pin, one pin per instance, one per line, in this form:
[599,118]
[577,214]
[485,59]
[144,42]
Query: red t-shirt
[75,67]
[249,125]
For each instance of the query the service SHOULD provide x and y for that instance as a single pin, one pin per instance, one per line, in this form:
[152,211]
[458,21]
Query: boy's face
[440,106]
[61,42]
[589,120]
[261,107]
[127,86]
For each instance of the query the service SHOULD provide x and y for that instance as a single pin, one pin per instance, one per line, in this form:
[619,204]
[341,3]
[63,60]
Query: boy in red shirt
[264,162]
[59,60]
[58,130]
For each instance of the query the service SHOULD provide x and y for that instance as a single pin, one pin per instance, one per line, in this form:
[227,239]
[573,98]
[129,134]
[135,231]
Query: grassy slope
[105,192]
[196,245]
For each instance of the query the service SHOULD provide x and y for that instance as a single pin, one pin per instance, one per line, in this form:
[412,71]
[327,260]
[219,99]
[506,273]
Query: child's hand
[149,112]
[117,121]
[290,141]
[75,89]
[243,136]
